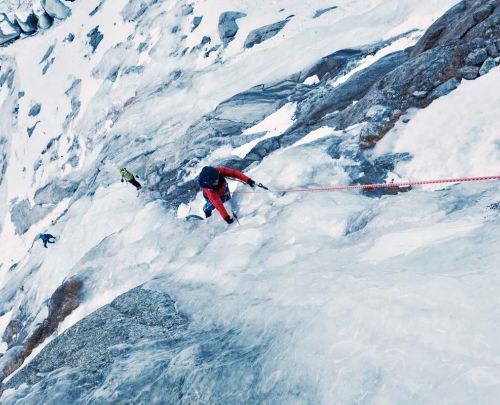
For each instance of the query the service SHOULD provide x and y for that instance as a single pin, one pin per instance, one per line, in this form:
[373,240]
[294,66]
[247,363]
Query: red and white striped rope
[374,186]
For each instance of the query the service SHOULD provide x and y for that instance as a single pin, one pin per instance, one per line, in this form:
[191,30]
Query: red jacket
[214,196]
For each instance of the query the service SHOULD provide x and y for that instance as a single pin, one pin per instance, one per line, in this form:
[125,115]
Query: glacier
[328,297]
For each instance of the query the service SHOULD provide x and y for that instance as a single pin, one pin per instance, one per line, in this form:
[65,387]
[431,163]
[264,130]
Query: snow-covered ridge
[27,17]
[316,298]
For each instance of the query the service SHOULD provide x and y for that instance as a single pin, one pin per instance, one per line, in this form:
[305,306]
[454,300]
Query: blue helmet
[209,177]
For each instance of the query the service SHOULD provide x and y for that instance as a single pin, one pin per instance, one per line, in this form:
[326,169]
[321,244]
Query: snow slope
[343,298]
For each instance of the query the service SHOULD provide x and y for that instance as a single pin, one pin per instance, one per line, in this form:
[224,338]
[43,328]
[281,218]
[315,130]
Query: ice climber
[46,238]
[212,181]
[129,177]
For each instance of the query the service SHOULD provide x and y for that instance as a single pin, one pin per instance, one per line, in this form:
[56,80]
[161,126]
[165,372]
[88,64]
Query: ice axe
[260,185]
[236,217]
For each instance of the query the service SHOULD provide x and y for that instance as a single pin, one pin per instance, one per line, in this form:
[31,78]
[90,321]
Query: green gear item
[126,175]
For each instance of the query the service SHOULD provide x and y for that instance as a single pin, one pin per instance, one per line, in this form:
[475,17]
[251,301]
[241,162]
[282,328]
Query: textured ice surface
[317,298]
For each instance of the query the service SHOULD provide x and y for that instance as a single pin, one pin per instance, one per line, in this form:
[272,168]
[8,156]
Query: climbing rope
[371,186]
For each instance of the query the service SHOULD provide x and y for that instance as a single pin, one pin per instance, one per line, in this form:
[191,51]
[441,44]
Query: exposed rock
[332,65]
[488,64]
[186,10]
[133,10]
[75,110]
[55,192]
[97,8]
[228,28]
[445,88]
[341,97]
[376,172]
[465,21]
[492,51]
[322,11]
[27,20]
[469,72]
[196,21]
[45,21]
[3,159]
[95,38]
[23,215]
[35,110]
[264,33]
[9,362]
[477,57]
[107,335]
[64,301]
[56,9]
[483,12]
[409,79]
[378,112]
[8,31]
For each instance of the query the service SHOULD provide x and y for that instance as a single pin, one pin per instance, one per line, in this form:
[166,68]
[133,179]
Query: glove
[229,220]
[208,214]
[251,183]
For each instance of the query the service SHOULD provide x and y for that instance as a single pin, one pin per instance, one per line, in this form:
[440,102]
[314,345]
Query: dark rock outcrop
[266,32]
[34,110]
[140,346]
[3,159]
[45,21]
[228,28]
[457,46]
[93,344]
[445,88]
[488,64]
[8,31]
[23,215]
[196,22]
[95,37]
[54,192]
[56,9]
[27,20]
[64,301]
[186,9]
[321,11]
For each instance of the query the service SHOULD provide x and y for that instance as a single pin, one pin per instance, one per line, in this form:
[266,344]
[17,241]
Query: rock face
[35,110]
[56,9]
[445,88]
[262,34]
[45,21]
[140,346]
[321,11]
[109,334]
[23,215]
[31,16]
[457,46]
[64,301]
[488,64]
[95,38]
[27,20]
[8,31]
[228,28]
